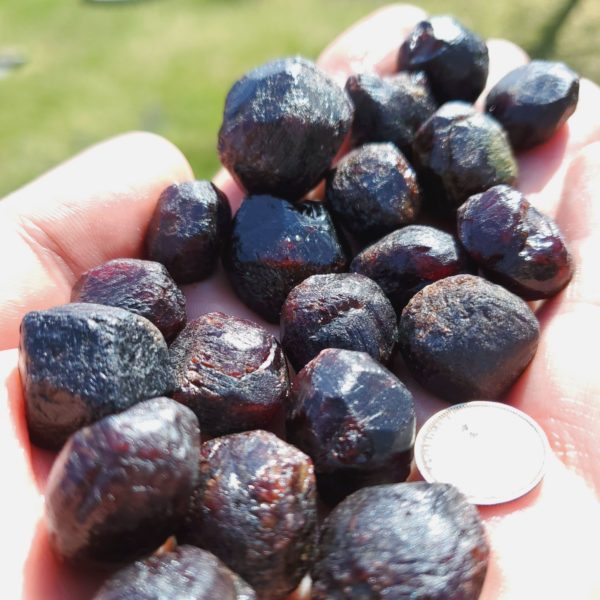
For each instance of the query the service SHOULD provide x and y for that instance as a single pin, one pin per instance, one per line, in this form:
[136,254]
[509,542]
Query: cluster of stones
[125,387]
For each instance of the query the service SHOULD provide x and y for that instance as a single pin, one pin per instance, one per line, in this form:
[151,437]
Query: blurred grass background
[94,70]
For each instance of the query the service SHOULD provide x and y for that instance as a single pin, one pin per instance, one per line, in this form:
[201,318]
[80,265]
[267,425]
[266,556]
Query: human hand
[97,206]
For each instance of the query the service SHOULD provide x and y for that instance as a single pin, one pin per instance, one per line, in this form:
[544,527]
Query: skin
[96,207]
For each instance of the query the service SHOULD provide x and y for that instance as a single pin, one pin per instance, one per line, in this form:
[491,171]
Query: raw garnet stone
[230,372]
[355,419]
[255,508]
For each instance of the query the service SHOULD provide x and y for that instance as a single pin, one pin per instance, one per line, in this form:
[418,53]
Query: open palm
[97,206]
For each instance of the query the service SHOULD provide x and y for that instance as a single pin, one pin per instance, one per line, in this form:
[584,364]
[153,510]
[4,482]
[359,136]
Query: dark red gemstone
[454,58]
[406,540]
[82,362]
[407,260]
[255,508]
[143,287]
[283,124]
[534,101]
[389,109]
[459,152]
[464,338]
[343,310]
[355,419]
[121,487]
[373,191]
[185,573]
[275,245]
[517,245]
[230,372]
[188,230]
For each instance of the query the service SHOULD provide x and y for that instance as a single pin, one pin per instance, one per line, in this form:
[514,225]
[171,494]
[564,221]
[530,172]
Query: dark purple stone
[188,230]
[389,109]
[255,508]
[406,540]
[275,245]
[459,152]
[355,419]
[82,362]
[517,245]
[143,287]
[185,573]
[120,487]
[464,338]
[405,261]
[230,372]
[343,310]
[534,101]
[283,124]
[454,58]
[373,191]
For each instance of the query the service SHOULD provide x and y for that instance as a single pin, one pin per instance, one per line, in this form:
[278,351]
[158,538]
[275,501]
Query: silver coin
[491,452]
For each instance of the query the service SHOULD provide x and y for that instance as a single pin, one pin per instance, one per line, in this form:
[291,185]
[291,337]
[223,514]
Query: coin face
[491,452]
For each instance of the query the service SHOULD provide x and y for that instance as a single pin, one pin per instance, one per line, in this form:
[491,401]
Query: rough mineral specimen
[188,230]
[255,508]
[283,124]
[464,338]
[373,191]
[186,573]
[343,310]
[534,101]
[120,487]
[406,540]
[275,245]
[517,245]
[82,362]
[389,109]
[230,372]
[407,260]
[454,58]
[459,152]
[143,287]
[355,419]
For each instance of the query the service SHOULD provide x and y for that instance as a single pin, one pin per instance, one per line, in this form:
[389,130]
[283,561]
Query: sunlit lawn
[166,65]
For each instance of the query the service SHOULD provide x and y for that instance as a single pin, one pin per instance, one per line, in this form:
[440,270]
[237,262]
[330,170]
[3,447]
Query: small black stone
[454,58]
[406,540]
[389,109]
[374,191]
[534,101]
[120,487]
[407,260]
[185,573]
[275,245]
[143,287]
[517,245]
[459,152]
[188,230]
[82,362]
[355,419]
[255,508]
[283,124]
[464,338]
[231,372]
[343,310]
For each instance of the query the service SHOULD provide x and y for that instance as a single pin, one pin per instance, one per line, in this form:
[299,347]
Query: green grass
[166,65]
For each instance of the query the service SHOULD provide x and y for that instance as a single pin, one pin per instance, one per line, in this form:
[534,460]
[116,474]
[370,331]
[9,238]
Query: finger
[533,545]
[93,208]
[560,388]
[543,168]
[30,567]
[372,44]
